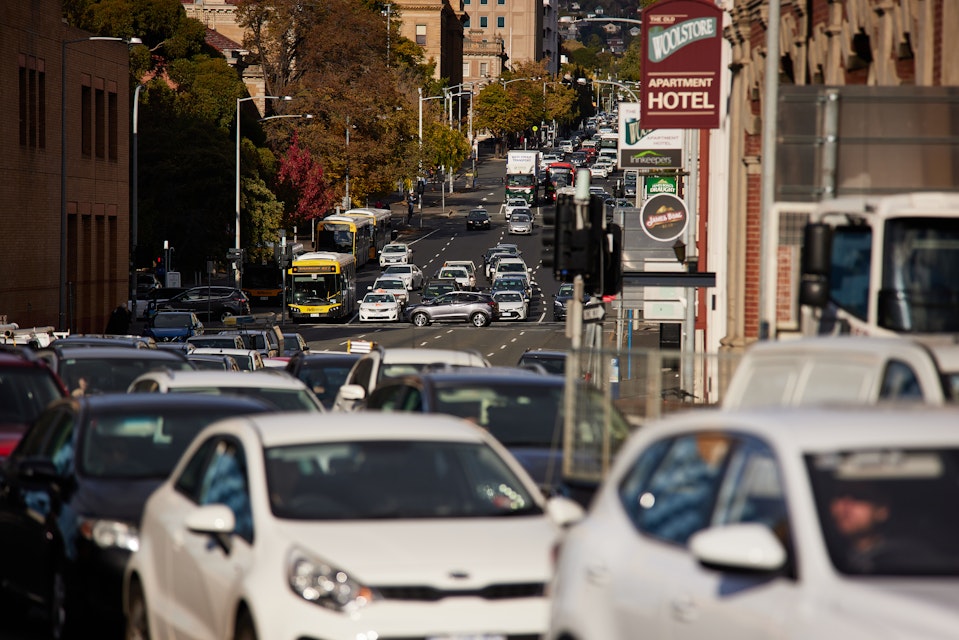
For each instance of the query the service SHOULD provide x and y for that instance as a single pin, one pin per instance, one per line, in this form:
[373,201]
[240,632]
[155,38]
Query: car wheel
[57,605]
[137,626]
[244,627]
[226,313]
[479,319]
[421,319]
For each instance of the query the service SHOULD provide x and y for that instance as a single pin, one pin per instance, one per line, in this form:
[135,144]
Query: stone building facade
[437,26]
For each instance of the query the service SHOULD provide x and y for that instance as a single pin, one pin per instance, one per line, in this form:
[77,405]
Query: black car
[478,219]
[72,494]
[27,386]
[543,361]
[437,287]
[323,372]
[212,303]
[520,408]
[561,299]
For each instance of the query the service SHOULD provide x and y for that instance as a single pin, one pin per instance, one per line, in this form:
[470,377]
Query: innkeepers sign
[682,51]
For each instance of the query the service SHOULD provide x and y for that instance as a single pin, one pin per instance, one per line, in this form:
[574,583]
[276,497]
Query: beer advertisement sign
[664,217]
[682,56]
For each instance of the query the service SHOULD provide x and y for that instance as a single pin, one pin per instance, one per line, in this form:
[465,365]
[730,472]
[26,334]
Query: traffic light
[613,261]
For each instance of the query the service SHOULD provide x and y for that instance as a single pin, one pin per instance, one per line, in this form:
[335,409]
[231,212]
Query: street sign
[594,312]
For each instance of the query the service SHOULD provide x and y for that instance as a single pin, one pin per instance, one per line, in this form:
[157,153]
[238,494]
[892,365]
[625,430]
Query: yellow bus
[381,232]
[345,234]
[322,285]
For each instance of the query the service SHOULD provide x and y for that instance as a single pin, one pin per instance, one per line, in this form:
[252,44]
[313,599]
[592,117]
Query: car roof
[399,355]
[226,351]
[254,379]
[301,428]
[93,353]
[191,401]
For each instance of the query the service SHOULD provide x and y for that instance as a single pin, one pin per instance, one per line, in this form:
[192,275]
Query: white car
[377,525]
[393,284]
[775,523]
[520,223]
[379,305]
[411,275]
[512,305]
[599,170]
[246,359]
[395,253]
[515,203]
[459,273]
[277,387]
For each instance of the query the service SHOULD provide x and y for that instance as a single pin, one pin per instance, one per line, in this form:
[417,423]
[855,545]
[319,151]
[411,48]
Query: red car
[27,386]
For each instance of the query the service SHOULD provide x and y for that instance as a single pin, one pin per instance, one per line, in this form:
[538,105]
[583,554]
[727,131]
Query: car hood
[114,498]
[171,332]
[477,551]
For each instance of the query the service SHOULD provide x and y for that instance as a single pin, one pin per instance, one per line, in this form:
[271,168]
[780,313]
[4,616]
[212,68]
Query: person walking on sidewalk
[409,211]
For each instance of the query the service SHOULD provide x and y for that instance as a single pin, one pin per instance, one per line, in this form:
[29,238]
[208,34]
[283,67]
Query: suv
[479,309]
[437,287]
[209,302]
[478,219]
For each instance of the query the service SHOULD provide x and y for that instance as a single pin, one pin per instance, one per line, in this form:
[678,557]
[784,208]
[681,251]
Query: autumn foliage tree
[302,185]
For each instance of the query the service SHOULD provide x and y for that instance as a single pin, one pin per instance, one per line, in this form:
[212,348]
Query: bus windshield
[315,288]
[335,237]
[920,276]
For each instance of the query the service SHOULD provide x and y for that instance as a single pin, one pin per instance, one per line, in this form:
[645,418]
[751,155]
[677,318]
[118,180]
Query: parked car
[523,410]
[796,522]
[73,492]
[512,305]
[437,287]
[27,386]
[520,222]
[377,306]
[277,388]
[396,253]
[323,372]
[314,520]
[410,274]
[478,219]
[212,303]
[173,326]
[479,309]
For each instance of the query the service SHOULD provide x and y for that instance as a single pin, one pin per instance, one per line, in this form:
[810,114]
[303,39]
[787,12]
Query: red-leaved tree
[304,189]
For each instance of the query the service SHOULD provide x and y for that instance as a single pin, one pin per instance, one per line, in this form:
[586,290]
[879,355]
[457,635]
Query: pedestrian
[119,322]
[409,212]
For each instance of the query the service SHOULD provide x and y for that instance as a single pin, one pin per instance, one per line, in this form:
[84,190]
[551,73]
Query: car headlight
[295,309]
[110,534]
[321,583]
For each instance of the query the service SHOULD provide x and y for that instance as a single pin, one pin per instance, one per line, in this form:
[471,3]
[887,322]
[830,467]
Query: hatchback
[795,523]
[478,219]
[73,493]
[372,526]
[479,309]
[279,389]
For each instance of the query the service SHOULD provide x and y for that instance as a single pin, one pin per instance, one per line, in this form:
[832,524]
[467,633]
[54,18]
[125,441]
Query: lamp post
[134,198]
[621,85]
[236,244]
[62,320]
[419,90]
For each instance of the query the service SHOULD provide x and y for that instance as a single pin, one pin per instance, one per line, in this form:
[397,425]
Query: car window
[225,482]
[677,499]
[752,490]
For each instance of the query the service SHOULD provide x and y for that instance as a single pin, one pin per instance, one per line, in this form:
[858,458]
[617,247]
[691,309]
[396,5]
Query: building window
[101,130]
[421,34]
[500,21]
[466,69]
[484,1]
[86,121]
[500,1]
[484,69]
[113,123]
[466,24]
[32,103]
[483,23]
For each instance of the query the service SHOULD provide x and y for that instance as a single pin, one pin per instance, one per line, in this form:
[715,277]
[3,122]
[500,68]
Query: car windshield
[398,269]
[105,375]
[394,248]
[520,217]
[454,273]
[136,444]
[24,392]
[885,512]
[378,297]
[375,480]
[389,284]
[565,290]
[507,296]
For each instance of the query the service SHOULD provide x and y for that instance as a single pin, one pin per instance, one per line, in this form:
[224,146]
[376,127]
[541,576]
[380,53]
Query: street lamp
[237,228]
[419,90]
[134,198]
[621,85]
[62,321]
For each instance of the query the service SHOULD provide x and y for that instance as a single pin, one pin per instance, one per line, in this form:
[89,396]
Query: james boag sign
[682,46]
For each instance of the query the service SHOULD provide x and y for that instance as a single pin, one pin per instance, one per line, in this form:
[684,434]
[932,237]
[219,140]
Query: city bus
[263,283]
[322,285]
[561,174]
[345,234]
[381,233]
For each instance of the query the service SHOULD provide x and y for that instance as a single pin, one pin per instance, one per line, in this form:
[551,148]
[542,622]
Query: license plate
[264,297]
[314,315]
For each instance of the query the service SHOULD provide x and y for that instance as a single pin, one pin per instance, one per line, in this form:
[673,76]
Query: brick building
[89,228]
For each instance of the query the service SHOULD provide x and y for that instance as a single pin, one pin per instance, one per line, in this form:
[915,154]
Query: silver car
[521,222]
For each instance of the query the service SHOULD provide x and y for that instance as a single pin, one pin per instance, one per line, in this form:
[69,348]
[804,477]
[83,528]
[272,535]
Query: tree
[303,185]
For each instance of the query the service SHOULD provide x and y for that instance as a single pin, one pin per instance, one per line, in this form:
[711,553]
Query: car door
[705,602]
[203,569]
[444,306]
[32,504]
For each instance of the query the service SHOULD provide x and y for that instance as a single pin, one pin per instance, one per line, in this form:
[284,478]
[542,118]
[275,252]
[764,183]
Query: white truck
[523,175]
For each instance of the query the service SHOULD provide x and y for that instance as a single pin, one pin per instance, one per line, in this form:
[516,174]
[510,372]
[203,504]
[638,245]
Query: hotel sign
[682,51]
